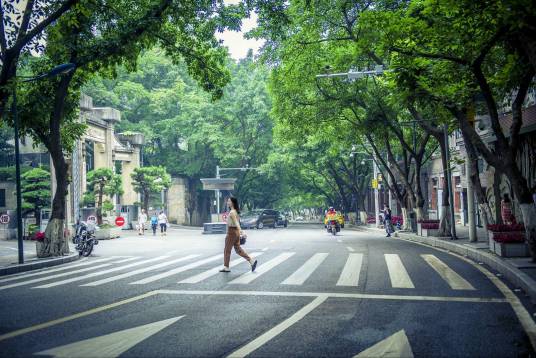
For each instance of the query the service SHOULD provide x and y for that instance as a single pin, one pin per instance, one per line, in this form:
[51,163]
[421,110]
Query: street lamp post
[58,70]
[375,173]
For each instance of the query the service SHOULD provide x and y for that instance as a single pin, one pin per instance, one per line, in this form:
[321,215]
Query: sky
[235,41]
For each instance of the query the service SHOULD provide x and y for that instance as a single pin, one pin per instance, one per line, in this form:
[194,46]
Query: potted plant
[508,240]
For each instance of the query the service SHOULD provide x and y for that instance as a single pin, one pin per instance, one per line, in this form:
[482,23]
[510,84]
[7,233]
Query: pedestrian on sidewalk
[154,223]
[506,210]
[163,221]
[233,237]
[387,220]
[142,221]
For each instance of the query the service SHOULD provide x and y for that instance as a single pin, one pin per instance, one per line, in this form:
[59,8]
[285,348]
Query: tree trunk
[529,219]
[99,207]
[146,200]
[55,242]
[37,214]
[497,196]
[419,213]
[405,218]
[444,221]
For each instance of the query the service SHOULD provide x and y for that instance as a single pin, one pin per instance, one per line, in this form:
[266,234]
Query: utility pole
[376,193]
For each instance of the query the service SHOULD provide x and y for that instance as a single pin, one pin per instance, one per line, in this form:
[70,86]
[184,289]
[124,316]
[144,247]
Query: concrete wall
[129,196]
[177,201]
[11,198]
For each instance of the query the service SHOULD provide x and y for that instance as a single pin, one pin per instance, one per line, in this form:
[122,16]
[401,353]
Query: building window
[90,156]
[2,198]
[433,204]
[118,166]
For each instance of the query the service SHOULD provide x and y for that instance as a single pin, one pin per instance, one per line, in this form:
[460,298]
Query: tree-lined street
[311,295]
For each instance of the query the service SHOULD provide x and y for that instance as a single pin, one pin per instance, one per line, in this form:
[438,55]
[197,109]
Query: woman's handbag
[243,237]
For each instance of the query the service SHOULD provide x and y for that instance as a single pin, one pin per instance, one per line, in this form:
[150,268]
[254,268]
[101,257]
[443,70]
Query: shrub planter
[508,240]
[511,249]
[429,232]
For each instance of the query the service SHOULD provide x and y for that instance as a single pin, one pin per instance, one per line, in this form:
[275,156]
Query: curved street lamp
[58,70]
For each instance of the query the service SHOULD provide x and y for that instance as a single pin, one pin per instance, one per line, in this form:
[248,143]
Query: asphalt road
[313,295]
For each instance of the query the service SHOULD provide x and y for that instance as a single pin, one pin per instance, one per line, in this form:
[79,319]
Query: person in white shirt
[163,221]
[142,221]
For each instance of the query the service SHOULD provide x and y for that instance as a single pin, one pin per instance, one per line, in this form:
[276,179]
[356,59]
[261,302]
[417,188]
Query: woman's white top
[232,219]
[162,218]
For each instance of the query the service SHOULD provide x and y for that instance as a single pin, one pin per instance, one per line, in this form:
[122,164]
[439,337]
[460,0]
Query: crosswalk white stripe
[177,270]
[216,270]
[262,269]
[455,281]
[100,273]
[85,262]
[397,272]
[350,274]
[138,271]
[126,260]
[29,282]
[303,273]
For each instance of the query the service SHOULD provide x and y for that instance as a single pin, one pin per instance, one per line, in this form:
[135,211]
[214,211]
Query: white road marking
[335,295]
[112,344]
[455,281]
[521,312]
[100,273]
[35,280]
[177,270]
[394,346]
[350,249]
[216,270]
[303,273]
[265,249]
[350,273]
[85,262]
[339,240]
[275,331]
[397,272]
[262,269]
[138,271]
[126,260]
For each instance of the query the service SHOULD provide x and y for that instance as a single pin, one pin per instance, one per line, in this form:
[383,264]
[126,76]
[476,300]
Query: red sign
[119,221]
[4,219]
[92,218]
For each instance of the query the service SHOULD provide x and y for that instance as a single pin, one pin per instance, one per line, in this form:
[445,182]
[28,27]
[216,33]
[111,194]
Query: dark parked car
[259,218]
[282,220]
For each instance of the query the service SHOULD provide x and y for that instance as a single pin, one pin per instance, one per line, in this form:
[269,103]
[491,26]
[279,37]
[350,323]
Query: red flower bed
[509,236]
[39,236]
[371,220]
[397,219]
[506,228]
[430,226]
[428,221]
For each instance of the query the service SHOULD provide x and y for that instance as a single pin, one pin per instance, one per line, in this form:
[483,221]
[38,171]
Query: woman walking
[142,221]
[233,237]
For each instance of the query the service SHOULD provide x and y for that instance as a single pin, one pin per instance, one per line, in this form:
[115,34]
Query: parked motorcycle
[333,227]
[84,238]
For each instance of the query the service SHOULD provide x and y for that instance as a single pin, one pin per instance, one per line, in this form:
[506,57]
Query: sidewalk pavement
[521,272]
[9,258]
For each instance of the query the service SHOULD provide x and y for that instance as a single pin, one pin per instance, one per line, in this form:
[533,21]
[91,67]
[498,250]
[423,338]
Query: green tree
[87,38]
[36,194]
[149,180]
[101,182]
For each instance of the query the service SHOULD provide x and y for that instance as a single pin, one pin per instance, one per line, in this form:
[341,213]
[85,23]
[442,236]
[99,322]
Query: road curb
[507,270]
[39,264]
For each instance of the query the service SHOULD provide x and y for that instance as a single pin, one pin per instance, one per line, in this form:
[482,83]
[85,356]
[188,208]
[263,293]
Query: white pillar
[470,202]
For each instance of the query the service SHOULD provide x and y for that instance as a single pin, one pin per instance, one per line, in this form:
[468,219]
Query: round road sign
[4,219]
[92,218]
[119,221]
